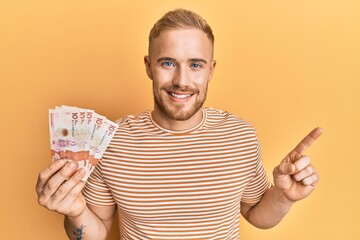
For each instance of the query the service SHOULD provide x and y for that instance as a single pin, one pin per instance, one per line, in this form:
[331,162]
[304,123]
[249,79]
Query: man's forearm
[87,226]
[270,210]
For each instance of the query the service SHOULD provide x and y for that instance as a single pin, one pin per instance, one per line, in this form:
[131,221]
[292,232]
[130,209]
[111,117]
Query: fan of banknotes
[79,135]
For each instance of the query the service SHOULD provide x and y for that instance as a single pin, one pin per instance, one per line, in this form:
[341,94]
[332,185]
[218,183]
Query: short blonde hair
[180,18]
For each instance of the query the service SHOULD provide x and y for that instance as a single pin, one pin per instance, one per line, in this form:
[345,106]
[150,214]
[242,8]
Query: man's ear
[212,69]
[147,67]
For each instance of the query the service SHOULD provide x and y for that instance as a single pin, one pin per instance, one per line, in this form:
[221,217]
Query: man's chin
[181,114]
[180,117]
[179,111]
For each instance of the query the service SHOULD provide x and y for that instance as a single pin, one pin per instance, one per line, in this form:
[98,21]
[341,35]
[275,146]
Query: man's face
[180,64]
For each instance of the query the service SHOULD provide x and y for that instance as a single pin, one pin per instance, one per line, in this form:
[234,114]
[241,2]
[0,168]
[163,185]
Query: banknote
[81,135]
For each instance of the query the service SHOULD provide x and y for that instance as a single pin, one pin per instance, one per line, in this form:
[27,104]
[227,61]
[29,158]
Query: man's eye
[167,64]
[195,65]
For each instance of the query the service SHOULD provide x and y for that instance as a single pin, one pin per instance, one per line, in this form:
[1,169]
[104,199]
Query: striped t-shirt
[180,185]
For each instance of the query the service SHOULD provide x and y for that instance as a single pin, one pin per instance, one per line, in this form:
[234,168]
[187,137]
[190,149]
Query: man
[180,171]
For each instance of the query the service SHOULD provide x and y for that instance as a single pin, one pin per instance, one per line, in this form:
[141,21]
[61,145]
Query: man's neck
[176,125]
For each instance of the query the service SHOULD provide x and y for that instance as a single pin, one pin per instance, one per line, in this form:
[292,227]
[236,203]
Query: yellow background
[286,66]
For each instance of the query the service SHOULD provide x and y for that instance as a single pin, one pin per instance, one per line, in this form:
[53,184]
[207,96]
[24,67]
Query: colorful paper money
[79,135]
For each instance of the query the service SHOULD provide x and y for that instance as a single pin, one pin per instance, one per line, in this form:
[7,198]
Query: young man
[180,171]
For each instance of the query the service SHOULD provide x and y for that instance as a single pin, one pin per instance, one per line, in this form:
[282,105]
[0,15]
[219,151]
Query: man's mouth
[179,95]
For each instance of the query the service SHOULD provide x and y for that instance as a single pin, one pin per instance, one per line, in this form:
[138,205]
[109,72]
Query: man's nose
[181,78]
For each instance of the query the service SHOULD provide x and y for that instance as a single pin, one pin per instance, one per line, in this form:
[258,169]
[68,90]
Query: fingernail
[71,164]
[81,172]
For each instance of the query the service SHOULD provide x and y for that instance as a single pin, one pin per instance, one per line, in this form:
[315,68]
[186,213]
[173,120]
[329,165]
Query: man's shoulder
[225,122]
[134,118]
[217,115]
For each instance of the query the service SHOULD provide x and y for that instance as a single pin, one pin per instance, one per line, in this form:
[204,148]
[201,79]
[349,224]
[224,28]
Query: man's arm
[94,223]
[59,189]
[294,179]
[269,211]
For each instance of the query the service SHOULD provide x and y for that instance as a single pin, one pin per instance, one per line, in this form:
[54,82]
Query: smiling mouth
[179,96]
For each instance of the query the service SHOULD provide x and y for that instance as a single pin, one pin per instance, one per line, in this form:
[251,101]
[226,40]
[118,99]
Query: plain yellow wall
[286,66]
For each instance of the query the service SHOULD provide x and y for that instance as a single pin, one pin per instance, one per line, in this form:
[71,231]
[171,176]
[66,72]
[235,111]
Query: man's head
[180,63]
[180,18]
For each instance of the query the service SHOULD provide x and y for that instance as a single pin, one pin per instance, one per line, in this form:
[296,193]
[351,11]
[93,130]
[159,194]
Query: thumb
[284,169]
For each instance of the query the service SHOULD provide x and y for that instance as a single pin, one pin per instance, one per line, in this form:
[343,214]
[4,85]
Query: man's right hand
[59,188]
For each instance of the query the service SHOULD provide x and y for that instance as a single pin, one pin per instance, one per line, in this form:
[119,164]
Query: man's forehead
[181,33]
[182,41]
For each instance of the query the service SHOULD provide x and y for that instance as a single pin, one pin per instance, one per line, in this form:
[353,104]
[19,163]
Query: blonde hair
[180,18]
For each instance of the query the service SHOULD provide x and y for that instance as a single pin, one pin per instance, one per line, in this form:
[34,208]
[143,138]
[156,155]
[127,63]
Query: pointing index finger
[308,140]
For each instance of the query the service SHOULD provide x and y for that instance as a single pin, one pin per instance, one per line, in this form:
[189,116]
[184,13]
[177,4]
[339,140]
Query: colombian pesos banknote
[80,135]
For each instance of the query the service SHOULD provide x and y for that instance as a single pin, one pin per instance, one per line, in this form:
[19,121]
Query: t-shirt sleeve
[96,191]
[259,183]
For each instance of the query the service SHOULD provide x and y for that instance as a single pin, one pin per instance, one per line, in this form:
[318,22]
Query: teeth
[180,96]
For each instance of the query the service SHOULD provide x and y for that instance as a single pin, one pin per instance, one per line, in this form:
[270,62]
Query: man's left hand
[295,176]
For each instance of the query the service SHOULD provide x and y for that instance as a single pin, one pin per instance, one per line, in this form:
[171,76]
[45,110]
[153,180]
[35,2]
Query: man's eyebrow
[197,60]
[174,60]
[166,59]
